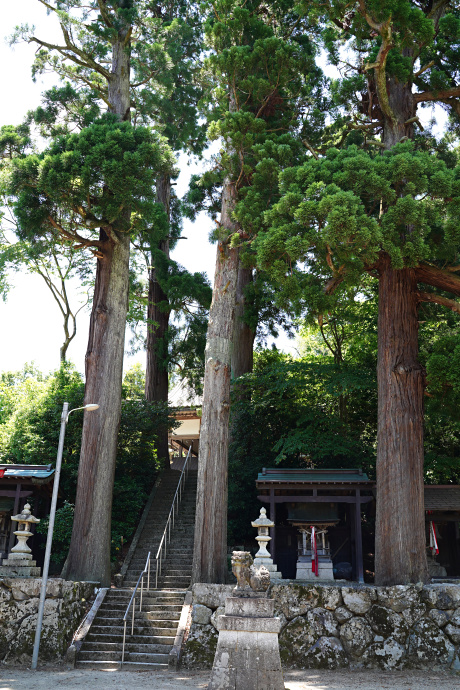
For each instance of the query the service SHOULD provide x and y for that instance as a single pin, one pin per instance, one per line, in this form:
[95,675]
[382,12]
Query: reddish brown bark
[210,547]
[156,375]
[89,555]
[400,526]
[243,336]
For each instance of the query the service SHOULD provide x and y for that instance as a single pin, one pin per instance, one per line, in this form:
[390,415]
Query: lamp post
[49,539]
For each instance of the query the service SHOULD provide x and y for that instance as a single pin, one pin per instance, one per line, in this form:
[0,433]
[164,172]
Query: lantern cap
[262,520]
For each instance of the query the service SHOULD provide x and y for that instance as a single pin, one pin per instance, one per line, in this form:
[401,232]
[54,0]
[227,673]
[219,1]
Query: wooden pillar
[358,538]
[352,518]
[272,547]
[14,525]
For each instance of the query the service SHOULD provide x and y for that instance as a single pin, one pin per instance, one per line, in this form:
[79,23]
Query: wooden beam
[12,494]
[15,512]
[316,499]
[272,548]
[358,539]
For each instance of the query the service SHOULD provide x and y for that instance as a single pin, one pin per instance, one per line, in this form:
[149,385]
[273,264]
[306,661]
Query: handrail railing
[132,601]
[160,554]
[171,517]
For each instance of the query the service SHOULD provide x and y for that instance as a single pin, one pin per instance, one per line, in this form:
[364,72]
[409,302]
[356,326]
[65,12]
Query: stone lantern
[263,557]
[19,562]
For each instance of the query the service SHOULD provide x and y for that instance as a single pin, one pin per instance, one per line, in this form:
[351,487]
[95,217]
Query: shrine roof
[442,498]
[27,471]
[304,476]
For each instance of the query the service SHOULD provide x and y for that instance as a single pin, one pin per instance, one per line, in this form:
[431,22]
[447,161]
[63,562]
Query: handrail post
[142,592]
[156,576]
[124,640]
[148,577]
[132,624]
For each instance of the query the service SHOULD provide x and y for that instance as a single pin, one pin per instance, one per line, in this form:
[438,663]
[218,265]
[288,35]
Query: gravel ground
[50,678]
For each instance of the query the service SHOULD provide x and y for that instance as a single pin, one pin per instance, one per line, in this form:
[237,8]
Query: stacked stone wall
[405,626]
[65,605]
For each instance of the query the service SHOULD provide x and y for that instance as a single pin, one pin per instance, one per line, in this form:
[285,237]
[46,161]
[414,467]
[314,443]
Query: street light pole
[49,539]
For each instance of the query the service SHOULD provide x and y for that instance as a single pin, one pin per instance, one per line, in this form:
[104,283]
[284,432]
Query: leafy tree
[29,429]
[260,66]
[387,208]
[99,55]
[291,418]
[54,262]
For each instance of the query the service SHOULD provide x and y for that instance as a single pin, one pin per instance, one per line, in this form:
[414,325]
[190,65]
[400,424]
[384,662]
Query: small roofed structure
[442,514]
[329,500]
[18,485]
[188,413]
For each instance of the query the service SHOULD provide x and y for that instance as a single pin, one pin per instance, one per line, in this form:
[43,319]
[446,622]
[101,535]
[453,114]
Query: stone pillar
[247,654]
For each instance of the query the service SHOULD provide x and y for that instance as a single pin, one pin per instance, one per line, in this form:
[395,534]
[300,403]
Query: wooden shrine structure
[19,484]
[311,497]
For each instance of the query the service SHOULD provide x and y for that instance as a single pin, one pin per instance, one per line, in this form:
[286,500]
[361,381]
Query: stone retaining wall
[65,605]
[411,626]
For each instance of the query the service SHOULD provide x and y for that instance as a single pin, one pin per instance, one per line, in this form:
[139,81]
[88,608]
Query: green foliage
[288,412]
[62,531]
[30,410]
[337,213]
[93,177]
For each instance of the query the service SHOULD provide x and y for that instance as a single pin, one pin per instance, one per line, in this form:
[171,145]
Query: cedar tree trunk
[400,555]
[243,336]
[156,375]
[89,554]
[210,547]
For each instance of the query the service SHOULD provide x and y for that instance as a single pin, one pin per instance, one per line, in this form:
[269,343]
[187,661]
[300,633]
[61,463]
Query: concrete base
[19,565]
[271,567]
[247,655]
[304,572]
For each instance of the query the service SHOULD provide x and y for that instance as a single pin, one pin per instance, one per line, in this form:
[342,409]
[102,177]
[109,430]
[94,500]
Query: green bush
[30,412]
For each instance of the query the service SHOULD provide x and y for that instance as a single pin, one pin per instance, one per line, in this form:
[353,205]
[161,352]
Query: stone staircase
[156,625]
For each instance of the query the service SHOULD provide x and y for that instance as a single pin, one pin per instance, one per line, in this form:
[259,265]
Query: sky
[30,320]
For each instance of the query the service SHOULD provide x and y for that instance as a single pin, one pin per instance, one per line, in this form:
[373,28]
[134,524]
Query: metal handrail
[171,517]
[132,601]
[159,557]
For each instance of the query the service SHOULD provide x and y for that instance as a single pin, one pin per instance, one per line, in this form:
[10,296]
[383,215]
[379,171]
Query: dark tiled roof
[440,498]
[332,476]
[35,471]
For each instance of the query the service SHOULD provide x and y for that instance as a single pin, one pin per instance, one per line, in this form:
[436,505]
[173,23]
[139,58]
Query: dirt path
[51,679]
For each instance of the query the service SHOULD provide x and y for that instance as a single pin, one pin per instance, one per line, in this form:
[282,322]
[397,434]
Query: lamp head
[91,406]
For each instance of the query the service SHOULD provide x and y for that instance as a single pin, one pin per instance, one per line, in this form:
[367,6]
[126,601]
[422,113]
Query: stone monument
[247,654]
[19,562]
[263,557]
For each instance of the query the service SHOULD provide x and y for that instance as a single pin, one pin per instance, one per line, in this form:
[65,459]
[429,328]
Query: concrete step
[147,605]
[129,646]
[114,638]
[129,656]
[166,582]
[115,665]
[148,629]
[108,617]
[125,594]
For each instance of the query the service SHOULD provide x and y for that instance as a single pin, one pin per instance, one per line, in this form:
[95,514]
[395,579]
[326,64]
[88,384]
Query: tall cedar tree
[390,208]
[261,67]
[175,107]
[104,43]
